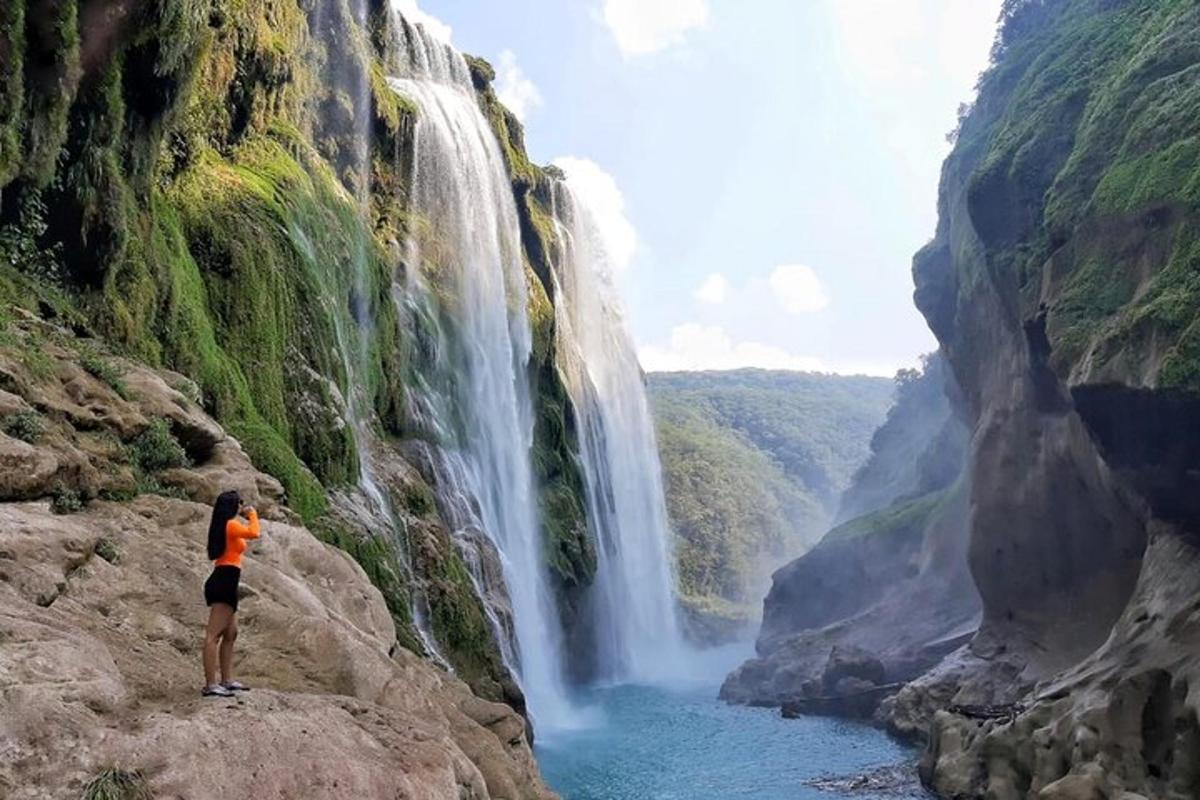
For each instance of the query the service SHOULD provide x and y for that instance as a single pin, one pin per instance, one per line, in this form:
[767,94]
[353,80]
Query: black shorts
[222,586]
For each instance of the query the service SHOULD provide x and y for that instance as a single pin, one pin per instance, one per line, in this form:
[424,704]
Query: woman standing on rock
[227,536]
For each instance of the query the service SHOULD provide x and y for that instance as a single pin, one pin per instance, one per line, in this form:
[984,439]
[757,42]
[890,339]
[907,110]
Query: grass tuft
[104,371]
[117,784]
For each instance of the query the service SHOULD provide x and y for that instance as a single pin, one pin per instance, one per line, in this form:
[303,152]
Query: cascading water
[461,188]
[636,627]
[347,64]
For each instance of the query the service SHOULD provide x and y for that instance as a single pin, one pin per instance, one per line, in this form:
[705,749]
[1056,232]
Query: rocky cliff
[107,469]
[1062,285]
[886,594]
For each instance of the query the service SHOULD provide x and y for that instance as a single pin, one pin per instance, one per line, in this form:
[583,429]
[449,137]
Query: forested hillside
[755,462]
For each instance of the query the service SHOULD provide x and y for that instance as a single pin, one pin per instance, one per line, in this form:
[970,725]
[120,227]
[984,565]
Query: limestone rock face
[1065,235]
[101,647]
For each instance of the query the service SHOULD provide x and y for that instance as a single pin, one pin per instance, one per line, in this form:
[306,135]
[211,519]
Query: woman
[227,536]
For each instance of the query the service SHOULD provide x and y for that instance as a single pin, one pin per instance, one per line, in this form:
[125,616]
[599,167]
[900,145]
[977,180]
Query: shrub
[66,500]
[156,449]
[117,784]
[104,370]
[21,241]
[25,425]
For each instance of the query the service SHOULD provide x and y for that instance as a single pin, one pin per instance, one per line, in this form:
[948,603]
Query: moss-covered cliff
[220,188]
[1062,287]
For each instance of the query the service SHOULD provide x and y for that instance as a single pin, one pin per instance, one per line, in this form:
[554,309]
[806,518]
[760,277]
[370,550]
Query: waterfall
[469,239]
[636,629]
[347,67]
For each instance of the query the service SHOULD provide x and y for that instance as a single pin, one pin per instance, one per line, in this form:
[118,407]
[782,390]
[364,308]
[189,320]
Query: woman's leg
[229,636]
[219,615]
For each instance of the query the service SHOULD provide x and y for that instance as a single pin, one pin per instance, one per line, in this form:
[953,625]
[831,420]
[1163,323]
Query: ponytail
[225,509]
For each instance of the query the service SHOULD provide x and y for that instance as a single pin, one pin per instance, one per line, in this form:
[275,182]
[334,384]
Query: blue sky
[765,169]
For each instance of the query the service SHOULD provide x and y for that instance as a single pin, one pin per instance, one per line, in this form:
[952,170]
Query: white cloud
[713,291]
[697,347]
[515,90]
[648,26]
[899,42]
[798,289]
[965,38]
[598,192]
[410,11]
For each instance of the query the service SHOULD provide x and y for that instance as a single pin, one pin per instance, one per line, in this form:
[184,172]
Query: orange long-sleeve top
[236,534]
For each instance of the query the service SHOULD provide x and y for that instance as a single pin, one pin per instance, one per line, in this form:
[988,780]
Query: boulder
[25,471]
[847,661]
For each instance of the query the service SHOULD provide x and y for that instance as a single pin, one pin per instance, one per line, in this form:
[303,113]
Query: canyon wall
[883,596]
[1062,286]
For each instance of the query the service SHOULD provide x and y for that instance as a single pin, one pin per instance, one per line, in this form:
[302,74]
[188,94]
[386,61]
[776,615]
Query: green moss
[383,564]
[12,88]
[52,73]
[458,620]
[419,500]
[509,132]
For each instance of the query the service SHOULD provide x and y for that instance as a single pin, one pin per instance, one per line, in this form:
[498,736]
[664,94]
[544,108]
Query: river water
[654,743]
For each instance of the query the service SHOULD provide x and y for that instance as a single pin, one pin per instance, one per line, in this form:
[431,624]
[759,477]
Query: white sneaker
[215,690]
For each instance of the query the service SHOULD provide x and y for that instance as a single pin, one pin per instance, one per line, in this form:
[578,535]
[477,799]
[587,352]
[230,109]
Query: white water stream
[637,632]
[461,189]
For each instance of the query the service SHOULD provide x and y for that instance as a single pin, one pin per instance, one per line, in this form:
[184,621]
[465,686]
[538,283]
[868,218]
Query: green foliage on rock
[66,500]
[104,370]
[156,448]
[381,560]
[1084,151]
[905,515]
[28,426]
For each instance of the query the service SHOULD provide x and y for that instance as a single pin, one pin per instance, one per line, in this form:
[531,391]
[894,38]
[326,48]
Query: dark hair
[225,509]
